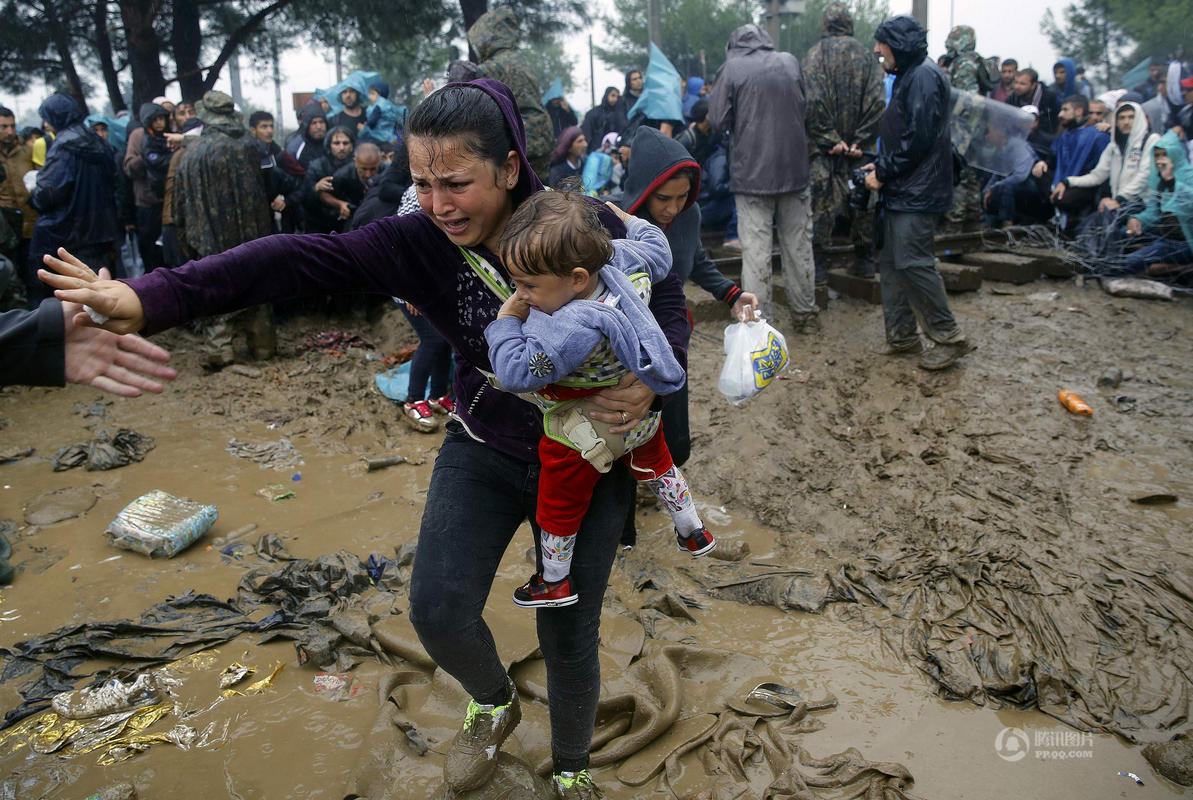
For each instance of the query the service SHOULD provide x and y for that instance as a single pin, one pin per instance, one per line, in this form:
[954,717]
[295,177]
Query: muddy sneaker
[806,323]
[575,786]
[699,543]
[943,356]
[538,593]
[419,416]
[442,405]
[473,757]
[912,347]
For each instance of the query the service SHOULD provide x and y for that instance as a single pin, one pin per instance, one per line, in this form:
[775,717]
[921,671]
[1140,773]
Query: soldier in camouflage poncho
[219,202]
[967,73]
[494,37]
[846,102]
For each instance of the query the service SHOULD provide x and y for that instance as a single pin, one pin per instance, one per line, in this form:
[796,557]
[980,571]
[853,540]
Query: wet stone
[58,505]
[1173,760]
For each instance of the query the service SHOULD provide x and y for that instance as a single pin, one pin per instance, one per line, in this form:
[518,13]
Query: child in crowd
[577,321]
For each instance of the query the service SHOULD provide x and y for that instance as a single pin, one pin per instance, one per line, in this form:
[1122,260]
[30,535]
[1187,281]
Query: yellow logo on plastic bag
[768,361]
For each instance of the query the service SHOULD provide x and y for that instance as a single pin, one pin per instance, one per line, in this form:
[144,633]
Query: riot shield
[984,131]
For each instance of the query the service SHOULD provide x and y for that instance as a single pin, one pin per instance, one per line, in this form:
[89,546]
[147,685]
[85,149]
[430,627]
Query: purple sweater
[406,257]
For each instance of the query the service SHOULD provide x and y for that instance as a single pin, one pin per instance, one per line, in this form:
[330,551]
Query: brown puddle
[794,458]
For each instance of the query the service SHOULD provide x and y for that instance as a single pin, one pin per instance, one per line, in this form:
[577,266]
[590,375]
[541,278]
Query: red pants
[566,480]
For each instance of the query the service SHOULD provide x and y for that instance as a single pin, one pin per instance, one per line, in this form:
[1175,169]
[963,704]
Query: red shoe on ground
[538,593]
[418,415]
[442,405]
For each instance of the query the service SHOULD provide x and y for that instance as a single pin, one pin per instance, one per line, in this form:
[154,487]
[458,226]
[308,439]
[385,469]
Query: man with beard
[1077,149]
[914,177]
[349,182]
[634,81]
[845,105]
[1006,80]
[606,118]
[1028,91]
[283,174]
[16,158]
[352,116]
[220,202]
[306,144]
[146,161]
[322,216]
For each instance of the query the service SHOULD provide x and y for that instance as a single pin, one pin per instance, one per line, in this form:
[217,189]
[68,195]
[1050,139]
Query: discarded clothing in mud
[105,451]
[335,342]
[277,454]
[995,624]
[165,632]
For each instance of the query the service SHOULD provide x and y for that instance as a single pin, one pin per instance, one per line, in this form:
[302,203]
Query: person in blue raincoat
[561,114]
[692,95]
[349,100]
[385,119]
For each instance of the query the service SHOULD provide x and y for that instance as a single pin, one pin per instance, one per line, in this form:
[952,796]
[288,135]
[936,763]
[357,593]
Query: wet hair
[1010,62]
[1031,73]
[257,117]
[7,112]
[467,113]
[340,129]
[1078,101]
[553,233]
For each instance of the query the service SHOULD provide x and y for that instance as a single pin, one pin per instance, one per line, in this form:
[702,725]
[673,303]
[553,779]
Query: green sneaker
[575,786]
[473,756]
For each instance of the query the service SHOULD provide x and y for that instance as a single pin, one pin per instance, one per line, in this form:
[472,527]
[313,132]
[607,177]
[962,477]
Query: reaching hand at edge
[75,282]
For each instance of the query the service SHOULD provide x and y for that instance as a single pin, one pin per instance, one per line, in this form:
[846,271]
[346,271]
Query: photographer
[914,177]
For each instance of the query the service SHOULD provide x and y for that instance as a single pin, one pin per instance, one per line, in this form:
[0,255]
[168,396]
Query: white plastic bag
[755,354]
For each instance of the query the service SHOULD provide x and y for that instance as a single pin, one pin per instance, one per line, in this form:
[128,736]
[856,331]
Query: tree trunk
[104,45]
[186,43]
[62,45]
[239,37]
[144,50]
[472,10]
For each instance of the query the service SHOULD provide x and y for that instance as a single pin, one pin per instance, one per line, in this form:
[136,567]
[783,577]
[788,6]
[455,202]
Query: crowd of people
[571,299]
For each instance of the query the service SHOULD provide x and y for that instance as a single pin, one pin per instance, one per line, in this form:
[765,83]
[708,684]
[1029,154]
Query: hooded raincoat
[915,163]
[495,39]
[967,70]
[758,100]
[691,96]
[1176,201]
[75,194]
[1069,87]
[604,119]
[146,162]
[846,98]
[404,256]
[300,144]
[1125,164]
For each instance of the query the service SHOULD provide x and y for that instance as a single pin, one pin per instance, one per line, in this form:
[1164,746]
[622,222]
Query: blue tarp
[661,89]
[358,80]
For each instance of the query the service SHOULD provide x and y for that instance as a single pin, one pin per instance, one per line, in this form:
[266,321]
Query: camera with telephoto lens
[859,195]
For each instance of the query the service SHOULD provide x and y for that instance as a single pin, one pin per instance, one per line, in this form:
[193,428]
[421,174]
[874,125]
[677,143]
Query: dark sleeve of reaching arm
[31,346]
[924,110]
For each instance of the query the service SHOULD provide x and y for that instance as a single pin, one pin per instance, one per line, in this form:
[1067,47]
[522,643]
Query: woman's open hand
[75,282]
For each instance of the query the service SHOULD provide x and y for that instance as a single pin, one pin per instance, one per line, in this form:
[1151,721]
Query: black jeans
[432,360]
[477,499]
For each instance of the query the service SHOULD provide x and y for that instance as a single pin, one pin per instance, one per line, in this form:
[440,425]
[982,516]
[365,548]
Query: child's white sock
[672,490]
[557,556]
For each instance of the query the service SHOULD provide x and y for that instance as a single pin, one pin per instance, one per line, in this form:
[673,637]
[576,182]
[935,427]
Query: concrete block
[1004,267]
[1052,263]
[862,288]
[960,277]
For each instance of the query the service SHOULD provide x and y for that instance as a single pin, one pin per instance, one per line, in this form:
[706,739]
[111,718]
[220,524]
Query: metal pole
[772,20]
[656,34]
[919,10]
[591,72]
[279,120]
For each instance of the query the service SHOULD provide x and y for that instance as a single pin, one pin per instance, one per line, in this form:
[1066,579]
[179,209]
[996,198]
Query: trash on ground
[1111,377]
[1074,403]
[338,686]
[10,454]
[375,464]
[275,492]
[1157,499]
[234,673]
[105,451]
[109,697]
[335,342]
[1137,287]
[160,525]
[278,455]
[1132,776]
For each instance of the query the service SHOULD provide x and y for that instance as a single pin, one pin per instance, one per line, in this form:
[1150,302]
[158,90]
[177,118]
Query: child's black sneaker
[538,593]
[698,544]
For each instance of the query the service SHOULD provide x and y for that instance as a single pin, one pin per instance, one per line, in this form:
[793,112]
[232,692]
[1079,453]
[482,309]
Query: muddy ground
[851,455]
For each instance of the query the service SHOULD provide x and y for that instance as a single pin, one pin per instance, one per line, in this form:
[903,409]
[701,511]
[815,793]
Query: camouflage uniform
[967,73]
[219,202]
[846,102]
[494,37]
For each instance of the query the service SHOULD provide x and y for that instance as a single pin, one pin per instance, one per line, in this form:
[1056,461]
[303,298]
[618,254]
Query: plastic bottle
[1071,401]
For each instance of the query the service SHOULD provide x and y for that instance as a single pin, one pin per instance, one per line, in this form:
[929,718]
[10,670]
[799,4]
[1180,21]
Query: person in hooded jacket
[75,195]
[220,201]
[1078,149]
[354,114]
[306,144]
[561,114]
[1167,214]
[495,38]
[758,100]
[693,93]
[322,217]
[845,105]
[606,118]
[1125,163]
[1064,72]
[913,175]
[635,81]
[283,174]
[967,73]
[567,159]
[662,184]
[146,160]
